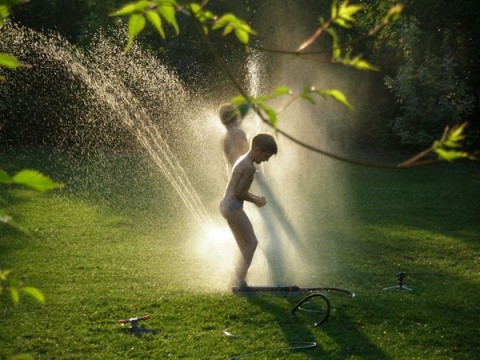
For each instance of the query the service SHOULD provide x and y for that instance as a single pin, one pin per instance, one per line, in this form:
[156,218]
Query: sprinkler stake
[400,276]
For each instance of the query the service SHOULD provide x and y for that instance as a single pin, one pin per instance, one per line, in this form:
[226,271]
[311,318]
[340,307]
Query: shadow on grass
[438,317]
[441,199]
[338,338]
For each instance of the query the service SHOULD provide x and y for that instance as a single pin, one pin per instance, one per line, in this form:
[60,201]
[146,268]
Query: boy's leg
[242,230]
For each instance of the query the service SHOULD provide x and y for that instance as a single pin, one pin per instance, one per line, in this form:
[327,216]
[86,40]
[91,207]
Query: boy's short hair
[266,143]
[227,113]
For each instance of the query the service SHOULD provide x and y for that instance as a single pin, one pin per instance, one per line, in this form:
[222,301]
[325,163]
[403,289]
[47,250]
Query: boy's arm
[244,185]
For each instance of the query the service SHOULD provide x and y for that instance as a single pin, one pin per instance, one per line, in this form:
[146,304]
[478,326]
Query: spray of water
[101,73]
[182,137]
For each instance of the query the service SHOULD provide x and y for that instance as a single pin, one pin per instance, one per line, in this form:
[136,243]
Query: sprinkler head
[135,328]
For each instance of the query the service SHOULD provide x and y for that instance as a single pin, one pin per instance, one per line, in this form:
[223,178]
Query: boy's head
[228,113]
[265,143]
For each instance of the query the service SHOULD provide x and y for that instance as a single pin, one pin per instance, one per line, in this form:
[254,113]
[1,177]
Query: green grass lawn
[112,247]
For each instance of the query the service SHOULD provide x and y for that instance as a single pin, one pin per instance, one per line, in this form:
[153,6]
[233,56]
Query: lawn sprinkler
[400,276]
[135,328]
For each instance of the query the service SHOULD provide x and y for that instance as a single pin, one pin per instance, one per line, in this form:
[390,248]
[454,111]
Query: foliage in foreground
[36,181]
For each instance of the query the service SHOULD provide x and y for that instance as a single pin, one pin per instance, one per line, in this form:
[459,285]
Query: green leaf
[223,21]
[452,143]
[455,136]
[336,48]
[394,13]
[282,90]
[457,131]
[34,292]
[347,11]
[14,294]
[141,5]
[5,178]
[363,65]
[4,13]
[200,13]
[167,11]
[127,9]
[35,180]
[334,10]
[9,61]
[337,95]
[6,219]
[136,24]
[4,274]
[231,23]
[308,97]
[450,155]
[154,19]
[242,36]
[342,23]
[272,115]
[243,109]
[345,14]
[238,100]
[259,98]
[358,63]
[195,8]
[227,30]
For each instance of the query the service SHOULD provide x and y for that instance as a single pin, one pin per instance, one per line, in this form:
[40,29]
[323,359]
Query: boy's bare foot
[239,288]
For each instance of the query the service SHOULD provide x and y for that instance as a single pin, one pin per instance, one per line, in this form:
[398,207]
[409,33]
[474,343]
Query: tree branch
[413,162]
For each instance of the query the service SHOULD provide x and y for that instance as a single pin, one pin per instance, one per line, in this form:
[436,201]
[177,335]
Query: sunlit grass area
[112,246]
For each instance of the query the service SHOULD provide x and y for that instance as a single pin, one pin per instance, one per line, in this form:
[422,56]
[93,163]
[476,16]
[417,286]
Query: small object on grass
[400,276]
[135,328]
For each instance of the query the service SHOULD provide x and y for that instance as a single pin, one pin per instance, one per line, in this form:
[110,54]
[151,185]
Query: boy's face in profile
[262,156]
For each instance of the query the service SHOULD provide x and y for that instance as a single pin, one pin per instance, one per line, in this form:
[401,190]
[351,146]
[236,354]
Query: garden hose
[303,305]
[300,345]
[324,313]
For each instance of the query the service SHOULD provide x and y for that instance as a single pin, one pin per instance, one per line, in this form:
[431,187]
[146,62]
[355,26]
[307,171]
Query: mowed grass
[112,248]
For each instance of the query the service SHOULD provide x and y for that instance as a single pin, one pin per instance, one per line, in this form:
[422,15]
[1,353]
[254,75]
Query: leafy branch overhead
[245,104]
[447,147]
[158,12]
[343,15]
[154,11]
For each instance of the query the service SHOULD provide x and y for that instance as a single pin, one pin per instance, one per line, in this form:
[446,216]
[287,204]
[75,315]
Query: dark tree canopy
[79,20]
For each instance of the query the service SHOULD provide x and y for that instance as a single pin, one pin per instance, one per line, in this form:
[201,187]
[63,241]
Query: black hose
[325,313]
